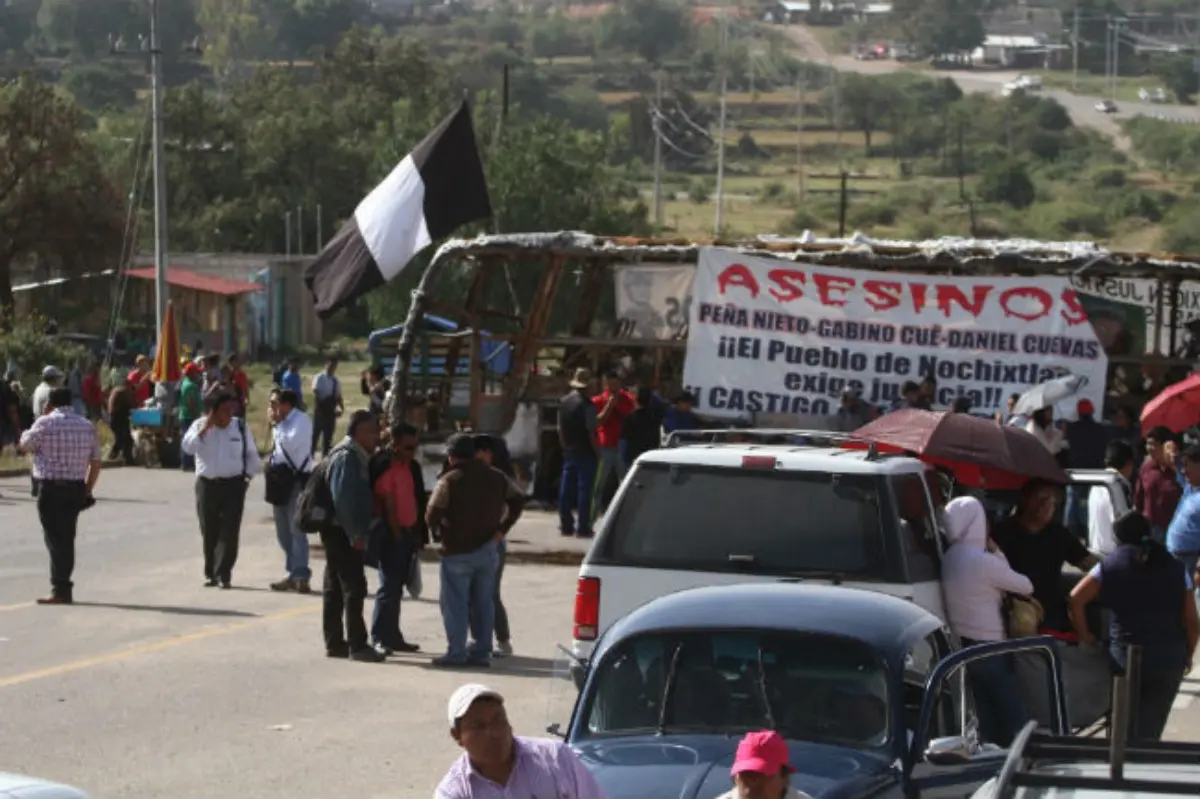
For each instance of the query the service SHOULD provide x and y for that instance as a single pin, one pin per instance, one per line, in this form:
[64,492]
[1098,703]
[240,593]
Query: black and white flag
[437,187]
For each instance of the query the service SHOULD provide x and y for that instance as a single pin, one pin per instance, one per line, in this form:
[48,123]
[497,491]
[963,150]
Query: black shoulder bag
[280,479]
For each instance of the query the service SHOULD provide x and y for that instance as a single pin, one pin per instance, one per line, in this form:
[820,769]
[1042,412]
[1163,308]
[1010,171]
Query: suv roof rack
[766,435]
[1031,747]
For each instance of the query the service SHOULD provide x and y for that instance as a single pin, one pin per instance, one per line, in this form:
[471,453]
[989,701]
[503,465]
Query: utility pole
[1116,59]
[1075,52]
[161,290]
[843,201]
[800,135]
[724,54]
[837,116]
[287,234]
[320,243]
[299,230]
[1108,43]
[658,104]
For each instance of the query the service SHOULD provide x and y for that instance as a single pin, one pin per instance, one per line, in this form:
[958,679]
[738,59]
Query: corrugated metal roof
[187,279]
[961,255]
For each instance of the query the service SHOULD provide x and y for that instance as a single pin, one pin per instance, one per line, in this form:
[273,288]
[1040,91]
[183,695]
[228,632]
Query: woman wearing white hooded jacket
[975,578]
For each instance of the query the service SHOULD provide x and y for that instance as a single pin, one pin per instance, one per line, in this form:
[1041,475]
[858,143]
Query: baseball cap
[51,373]
[763,752]
[1085,407]
[462,699]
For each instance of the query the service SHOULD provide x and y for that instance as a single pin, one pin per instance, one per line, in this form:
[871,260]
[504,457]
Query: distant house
[789,12]
[1015,52]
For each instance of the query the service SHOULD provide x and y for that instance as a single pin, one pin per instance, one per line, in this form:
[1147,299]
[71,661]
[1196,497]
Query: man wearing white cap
[41,395]
[496,763]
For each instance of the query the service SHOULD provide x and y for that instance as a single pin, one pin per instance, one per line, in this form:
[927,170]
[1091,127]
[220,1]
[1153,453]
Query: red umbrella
[980,452]
[1177,407]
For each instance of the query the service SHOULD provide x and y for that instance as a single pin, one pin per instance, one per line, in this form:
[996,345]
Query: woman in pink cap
[761,769]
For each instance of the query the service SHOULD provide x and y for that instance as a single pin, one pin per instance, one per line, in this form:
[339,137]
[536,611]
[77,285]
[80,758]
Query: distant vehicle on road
[19,786]
[1030,83]
[1106,107]
[1152,95]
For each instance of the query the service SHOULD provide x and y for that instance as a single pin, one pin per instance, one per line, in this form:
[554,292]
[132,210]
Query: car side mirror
[953,750]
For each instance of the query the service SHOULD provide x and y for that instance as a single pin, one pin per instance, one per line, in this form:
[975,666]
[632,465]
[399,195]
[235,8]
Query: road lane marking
[148,648]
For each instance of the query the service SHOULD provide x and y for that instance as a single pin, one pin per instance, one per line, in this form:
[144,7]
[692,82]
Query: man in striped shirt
[66,466]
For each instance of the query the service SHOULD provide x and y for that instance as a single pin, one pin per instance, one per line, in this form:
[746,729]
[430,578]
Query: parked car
[19,786]
[702,513]
[1106,107]
[1031,83]
[858,683]
[1158,95]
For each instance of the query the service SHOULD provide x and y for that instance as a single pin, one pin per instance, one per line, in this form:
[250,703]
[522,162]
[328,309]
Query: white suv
[799,509]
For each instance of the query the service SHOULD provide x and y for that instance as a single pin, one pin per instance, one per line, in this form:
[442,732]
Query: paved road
[1081,108]
[153,686]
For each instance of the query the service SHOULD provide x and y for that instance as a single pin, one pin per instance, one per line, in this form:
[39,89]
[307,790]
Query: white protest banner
[1124,312]
[654,298]
[771,336]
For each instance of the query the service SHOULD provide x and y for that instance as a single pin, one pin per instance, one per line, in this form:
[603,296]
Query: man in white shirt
[226,458]
[327,405]
[51,378]
[1118,458]
[290,462]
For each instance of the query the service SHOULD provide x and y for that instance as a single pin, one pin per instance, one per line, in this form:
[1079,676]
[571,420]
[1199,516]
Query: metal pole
[837,115]
[1075,53]
[287,234]
[724,55]
[800,135]
[320,243]
[299,230]
[658,104]
[1116,57]
[161,291]
[1108,46]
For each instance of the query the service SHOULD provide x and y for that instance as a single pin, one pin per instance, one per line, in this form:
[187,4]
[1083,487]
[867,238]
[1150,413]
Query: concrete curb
[23,471]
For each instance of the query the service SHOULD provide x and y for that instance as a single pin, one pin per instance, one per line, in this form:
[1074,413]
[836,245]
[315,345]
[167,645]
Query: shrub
[876,213]
[698,192]
[772,192]
[802,219]
[1135,203]
[1007,182]
[1069,220]
[1109,178]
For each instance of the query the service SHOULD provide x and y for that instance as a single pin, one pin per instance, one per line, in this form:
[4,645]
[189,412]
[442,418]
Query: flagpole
[160,170]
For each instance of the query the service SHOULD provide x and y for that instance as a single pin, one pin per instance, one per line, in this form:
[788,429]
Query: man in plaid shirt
[66,465]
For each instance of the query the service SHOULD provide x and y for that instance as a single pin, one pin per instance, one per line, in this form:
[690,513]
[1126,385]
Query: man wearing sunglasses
[400,505]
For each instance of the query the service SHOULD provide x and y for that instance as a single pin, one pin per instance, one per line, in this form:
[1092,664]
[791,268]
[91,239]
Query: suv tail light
[758,462]
[587,608]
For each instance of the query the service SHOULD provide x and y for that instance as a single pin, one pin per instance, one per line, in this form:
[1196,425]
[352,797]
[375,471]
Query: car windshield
[765,521]
[809,687]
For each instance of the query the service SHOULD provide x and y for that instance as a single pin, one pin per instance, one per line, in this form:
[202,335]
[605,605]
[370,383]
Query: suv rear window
[748,520]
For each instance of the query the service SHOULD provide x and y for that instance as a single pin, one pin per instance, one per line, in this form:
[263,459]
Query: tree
[941,27]
[57,207]
[1178,74]
[82,26]
[1007,182]
[863,101]
[649,28]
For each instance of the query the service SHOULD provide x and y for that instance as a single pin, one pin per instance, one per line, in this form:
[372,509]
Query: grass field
[733,99]
[780,137]
[1098,85]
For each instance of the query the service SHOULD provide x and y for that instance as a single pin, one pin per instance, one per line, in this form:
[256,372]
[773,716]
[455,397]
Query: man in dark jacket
[472,508]
[577,435]
[1086,442]
[345,583]
[399,488]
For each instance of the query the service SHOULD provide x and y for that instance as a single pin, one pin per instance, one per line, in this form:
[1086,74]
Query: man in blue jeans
[470,511]
[291,442]
[399,532]
[577,435]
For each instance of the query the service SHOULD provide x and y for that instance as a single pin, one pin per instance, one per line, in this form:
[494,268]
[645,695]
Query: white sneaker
[503,649]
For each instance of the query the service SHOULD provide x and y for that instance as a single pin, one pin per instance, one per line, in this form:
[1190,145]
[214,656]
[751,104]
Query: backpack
[314,507]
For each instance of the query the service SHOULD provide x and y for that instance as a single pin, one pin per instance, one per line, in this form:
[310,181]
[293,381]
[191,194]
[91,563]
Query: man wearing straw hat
[577,435]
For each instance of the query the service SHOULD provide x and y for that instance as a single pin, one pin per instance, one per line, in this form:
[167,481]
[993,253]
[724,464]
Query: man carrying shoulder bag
[287,471]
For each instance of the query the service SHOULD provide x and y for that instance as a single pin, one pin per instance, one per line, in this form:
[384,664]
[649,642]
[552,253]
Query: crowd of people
[1139,566]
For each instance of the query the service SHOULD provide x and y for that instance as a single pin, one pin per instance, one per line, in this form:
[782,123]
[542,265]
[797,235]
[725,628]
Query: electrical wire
[665,140]
[130,235]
